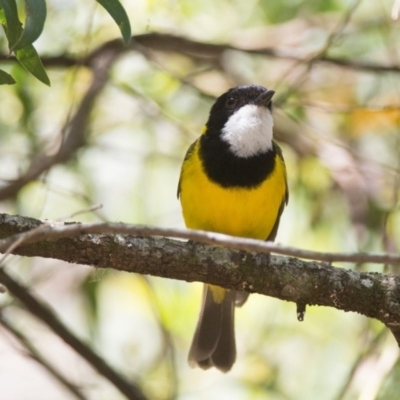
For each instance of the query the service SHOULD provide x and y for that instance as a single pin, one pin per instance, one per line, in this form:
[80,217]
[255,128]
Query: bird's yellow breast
[234,211]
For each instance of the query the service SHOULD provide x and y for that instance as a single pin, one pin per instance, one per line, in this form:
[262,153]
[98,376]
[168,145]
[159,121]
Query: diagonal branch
[74,132]
[33,353]
[46,315]
[114,246]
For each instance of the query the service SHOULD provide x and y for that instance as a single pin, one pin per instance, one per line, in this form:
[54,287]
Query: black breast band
[228,170]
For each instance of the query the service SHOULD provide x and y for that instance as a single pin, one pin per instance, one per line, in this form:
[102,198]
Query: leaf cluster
[21,37]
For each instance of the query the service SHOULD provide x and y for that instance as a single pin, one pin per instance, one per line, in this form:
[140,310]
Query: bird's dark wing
[285,199]
[280,155]
[187,155]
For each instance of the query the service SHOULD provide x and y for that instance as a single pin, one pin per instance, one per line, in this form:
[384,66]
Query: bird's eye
[231,102]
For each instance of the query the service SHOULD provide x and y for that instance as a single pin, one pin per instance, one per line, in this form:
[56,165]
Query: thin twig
[42,227]
[312,59]
[85,211]
[20,240]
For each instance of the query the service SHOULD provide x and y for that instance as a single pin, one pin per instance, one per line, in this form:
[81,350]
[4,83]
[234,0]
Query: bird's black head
[234,99]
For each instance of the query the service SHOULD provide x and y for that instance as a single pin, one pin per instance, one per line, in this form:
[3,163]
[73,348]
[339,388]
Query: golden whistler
[233,181]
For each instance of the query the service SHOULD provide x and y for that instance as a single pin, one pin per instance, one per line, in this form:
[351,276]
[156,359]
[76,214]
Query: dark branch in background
[74,136]
[46,315]
[35,355]
[202,51]
[371,294]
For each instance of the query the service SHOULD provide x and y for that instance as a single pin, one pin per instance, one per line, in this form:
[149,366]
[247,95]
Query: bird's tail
[213,343]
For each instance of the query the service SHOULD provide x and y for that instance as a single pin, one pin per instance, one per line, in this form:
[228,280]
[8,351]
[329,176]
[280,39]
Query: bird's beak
[265,98]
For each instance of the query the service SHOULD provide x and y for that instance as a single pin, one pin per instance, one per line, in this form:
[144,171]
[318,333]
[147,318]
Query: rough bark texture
[374,295]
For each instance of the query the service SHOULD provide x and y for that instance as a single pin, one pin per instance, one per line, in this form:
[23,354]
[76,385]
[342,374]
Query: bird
[232,181]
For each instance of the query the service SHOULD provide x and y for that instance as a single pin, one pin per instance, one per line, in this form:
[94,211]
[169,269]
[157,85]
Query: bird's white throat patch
[249,131]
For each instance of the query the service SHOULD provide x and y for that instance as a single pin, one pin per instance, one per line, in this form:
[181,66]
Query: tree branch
[51,230]
[204,51]
[74,136]
[46,315]
[113,246]
[33,353]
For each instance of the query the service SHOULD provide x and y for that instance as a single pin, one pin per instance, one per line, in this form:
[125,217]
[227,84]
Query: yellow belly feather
[234,211]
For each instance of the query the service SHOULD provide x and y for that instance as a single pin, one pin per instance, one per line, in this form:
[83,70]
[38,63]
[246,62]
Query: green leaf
[118,13]
[34,23]
[10,21]
[29,58]
[6,79]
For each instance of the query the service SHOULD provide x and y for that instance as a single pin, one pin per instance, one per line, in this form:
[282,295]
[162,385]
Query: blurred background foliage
[335,66]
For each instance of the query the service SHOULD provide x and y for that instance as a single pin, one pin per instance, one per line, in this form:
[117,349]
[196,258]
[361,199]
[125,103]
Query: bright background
[338,126]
